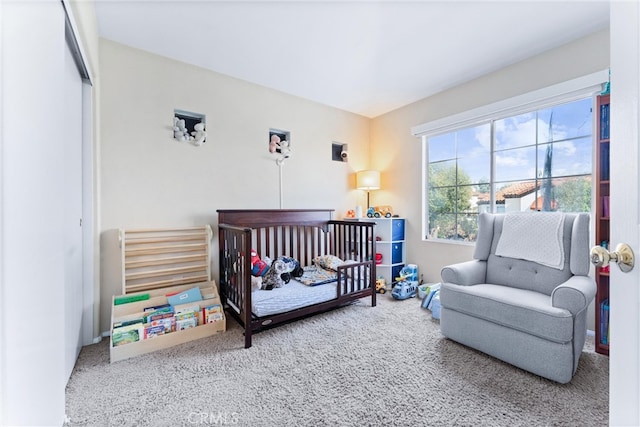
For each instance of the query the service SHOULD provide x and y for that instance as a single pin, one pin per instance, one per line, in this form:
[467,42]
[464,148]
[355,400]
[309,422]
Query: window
[537,160]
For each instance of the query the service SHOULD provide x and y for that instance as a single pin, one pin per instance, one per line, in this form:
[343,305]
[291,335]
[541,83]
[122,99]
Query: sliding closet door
[41,252]
[32,231]
[72,202]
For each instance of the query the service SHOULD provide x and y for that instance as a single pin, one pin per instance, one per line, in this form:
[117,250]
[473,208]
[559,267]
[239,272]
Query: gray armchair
[524,297]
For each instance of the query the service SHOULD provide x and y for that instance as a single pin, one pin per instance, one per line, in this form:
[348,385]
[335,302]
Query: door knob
[623,256]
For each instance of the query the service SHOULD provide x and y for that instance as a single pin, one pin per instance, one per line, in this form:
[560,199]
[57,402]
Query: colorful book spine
[604,121]
[604,161]
[604,322]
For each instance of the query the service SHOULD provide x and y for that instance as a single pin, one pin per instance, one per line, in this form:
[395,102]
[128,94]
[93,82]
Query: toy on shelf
[350,214]
[384,211]
[378,258]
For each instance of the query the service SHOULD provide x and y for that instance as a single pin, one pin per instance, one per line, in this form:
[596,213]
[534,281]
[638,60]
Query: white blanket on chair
[533,237]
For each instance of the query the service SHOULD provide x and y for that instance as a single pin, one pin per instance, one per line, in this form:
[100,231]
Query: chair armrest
[575,294]
[465,273]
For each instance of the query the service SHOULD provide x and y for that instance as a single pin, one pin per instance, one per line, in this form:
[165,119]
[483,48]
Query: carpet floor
[354,366]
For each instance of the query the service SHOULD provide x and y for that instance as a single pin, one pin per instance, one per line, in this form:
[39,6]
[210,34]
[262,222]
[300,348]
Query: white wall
[31,231]
[396,153]
[150,180]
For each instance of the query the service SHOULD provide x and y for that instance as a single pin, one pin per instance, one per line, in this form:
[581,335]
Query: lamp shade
[368,180]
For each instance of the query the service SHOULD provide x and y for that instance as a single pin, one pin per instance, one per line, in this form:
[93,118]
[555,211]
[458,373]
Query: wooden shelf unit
[602,218]
[159,258]
[157,263]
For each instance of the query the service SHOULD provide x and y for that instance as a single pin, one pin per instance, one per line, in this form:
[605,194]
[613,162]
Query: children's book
[168,323]
[191,295]
[153,331]
[190,322]
[155,308]
[162,313]
[126,299]
[187,315]
[195,308]
[212,313]
[127,334]
[128,322]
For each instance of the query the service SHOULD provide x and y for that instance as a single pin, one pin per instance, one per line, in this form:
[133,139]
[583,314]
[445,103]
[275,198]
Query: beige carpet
[355,366]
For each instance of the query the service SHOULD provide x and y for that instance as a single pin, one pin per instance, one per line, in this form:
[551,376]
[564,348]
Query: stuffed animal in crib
[256,283]
[292,268]
[258,266]
[280,272]
[272,279]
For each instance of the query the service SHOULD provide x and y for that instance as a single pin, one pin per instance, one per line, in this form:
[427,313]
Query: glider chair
[524,297]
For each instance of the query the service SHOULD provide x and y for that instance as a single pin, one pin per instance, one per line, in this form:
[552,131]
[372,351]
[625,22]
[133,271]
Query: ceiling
[367,57]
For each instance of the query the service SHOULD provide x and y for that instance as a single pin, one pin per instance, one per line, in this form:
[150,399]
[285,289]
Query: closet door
[72,202]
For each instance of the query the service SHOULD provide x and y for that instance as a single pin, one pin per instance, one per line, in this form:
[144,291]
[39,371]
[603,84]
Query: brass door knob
[623,256]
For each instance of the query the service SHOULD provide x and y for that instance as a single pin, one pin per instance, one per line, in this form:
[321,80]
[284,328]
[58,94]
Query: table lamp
[368,180]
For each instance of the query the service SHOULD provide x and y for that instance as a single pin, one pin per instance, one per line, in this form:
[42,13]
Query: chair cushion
[527,274]
[520,309]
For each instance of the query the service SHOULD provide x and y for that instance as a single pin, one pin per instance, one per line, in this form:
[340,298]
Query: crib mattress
[291,296]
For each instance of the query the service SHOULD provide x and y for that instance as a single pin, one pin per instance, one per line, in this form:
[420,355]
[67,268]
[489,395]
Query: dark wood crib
[302,234]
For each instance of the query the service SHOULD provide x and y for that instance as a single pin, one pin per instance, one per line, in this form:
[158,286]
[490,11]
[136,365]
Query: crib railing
[235,269]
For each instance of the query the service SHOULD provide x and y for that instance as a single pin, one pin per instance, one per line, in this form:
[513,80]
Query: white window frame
[564,92]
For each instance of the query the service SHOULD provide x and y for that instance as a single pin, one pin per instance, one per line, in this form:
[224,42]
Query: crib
[302,234]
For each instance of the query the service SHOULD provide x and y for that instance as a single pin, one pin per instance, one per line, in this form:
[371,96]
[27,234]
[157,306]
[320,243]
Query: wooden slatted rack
[158,258]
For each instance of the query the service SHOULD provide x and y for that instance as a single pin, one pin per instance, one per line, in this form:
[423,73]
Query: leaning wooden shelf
[162,257]
[159,262]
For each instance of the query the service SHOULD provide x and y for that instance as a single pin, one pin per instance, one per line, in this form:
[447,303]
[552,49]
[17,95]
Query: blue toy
[405,289]
[409,272]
